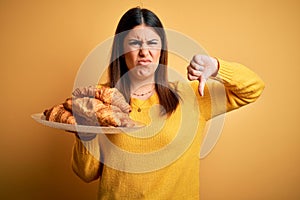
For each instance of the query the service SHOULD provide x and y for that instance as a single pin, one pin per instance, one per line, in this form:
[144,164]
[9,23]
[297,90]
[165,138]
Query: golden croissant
[105,94]
[94,112]
[94,106]
[58,113]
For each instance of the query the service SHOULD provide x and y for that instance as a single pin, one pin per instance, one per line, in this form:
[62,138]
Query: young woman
[160,161]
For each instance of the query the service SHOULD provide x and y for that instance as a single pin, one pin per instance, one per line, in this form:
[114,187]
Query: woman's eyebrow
[133,39]
[136,39]
[152,40]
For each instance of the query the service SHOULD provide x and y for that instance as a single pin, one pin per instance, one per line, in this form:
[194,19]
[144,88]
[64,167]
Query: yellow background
[43,44]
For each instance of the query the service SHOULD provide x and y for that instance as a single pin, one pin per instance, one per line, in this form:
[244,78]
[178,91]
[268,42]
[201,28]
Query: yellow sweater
[162,161]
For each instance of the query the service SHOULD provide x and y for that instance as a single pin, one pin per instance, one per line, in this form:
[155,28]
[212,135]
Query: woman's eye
[135,43]
[152,43]
[139,44]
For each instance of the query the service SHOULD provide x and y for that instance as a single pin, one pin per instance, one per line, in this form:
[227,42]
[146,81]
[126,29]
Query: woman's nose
[144,51]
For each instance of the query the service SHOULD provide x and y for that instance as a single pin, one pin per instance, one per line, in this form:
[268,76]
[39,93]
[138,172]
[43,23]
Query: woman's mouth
[144,62]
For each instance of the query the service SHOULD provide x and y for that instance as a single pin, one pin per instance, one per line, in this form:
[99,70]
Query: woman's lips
[144,62]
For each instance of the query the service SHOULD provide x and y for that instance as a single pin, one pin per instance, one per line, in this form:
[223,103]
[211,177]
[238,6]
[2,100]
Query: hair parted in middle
[117,71]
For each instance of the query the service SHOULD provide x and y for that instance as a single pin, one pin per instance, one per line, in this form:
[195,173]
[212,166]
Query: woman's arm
[86,159]
[242,85]
[233,85]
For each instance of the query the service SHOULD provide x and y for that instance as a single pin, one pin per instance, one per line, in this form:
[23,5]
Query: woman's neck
[142,89]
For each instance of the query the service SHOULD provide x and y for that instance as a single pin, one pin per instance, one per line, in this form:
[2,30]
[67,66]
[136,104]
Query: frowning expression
[142,46]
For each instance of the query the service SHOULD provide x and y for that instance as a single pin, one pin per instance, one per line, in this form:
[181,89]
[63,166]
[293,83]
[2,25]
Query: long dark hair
[167,93]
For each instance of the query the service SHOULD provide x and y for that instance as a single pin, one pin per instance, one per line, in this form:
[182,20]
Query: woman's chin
[142,72]
[144,76]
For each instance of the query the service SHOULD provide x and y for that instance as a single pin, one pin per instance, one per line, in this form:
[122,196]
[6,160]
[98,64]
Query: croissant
[109,115]
[92,106]
[108,95]
[92,111]
[58,113]
[89,91]
[68,104]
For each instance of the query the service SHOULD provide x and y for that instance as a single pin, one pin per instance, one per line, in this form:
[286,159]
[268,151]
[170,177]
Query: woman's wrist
[216,63]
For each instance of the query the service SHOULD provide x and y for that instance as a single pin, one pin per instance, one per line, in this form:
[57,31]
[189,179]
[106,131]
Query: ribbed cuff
[226,71]
[88,147]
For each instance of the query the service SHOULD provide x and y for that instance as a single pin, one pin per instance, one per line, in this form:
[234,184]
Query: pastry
[93,106]
[107,95]
[92,111]
[58,113]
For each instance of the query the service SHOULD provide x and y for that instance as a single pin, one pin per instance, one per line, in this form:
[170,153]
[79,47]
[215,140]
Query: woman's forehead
[142,32]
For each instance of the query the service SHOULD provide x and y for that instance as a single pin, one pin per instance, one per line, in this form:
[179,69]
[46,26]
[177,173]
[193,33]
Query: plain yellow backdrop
[43,44]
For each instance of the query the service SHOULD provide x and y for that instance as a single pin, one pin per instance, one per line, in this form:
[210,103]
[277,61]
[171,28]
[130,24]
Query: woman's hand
[201,68]
[84,136]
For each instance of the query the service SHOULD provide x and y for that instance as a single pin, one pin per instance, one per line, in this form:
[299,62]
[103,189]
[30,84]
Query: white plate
[39,117]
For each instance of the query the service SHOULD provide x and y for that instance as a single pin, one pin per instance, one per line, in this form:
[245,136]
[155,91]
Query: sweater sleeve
[235,86]
[86,159]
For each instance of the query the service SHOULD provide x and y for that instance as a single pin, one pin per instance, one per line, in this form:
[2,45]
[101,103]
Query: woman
[160,161]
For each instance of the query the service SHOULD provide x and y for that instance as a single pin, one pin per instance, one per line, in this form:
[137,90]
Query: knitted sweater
[161,161]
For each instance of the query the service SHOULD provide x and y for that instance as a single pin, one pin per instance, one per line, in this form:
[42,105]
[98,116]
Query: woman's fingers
[192,77]
[201,68]
[86,136]
[196,65]
[195,70]
[83,136]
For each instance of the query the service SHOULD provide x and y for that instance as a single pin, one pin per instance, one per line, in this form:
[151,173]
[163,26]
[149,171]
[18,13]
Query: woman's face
[142,46]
